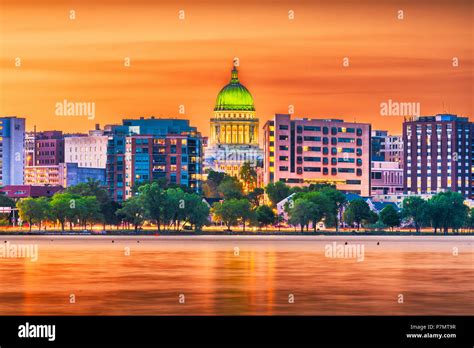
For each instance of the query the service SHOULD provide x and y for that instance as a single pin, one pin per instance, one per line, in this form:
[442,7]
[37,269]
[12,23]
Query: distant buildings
[387,163]
[44,175]
[63,174]
[233,136]
[301,151]
[12,161]
[87,151]
[387,178]
[24,191]
[387,148]
[145,150]
[72,174]
[439,155]
[49,148]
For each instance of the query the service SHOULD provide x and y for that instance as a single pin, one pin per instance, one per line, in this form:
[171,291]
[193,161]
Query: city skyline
[178,62]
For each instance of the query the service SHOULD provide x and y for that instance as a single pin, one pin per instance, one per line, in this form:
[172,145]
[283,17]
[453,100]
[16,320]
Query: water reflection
[259,278]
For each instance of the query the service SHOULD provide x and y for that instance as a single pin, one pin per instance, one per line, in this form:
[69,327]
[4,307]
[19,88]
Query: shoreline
[151,233]
[250,236]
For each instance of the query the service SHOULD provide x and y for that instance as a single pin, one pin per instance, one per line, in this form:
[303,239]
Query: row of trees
[88,203]
[445,210]
[238,202]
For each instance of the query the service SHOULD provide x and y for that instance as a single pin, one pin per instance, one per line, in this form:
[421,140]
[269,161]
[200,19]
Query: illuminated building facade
[302,151]
[233,136]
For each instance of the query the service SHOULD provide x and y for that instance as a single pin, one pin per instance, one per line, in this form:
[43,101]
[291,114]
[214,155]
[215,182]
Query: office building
[12,161]
[301,151]
[145,150]
[439,154]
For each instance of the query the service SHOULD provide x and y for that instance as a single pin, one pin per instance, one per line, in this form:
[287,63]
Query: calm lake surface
[238,275]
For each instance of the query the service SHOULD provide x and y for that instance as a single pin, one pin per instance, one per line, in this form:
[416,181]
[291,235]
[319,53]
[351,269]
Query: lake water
[239,275]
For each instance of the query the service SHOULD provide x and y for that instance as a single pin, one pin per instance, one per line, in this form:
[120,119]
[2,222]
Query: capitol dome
[234,96]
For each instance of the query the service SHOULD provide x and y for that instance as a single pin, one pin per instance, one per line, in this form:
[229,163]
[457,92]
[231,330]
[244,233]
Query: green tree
[31,210]
[63,207]
[338,200]
[357,211]
[6,201]
[93,188]
[213,181]
[88,210]
[390,217]
[153,198]
[300,213]
[265,216]
[109,215]
[447,210]
[227,212]
[230,188]
[470,220]
[248,175]
[197,212]
[255,196]
[372,218]
[322,207]
[277,192]
[132,212]
[245,212]
[415,209]
[175,208]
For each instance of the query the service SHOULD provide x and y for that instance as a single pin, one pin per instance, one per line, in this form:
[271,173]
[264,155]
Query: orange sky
[186,62]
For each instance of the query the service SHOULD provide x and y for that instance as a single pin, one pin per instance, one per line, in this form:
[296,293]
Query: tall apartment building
[88,151]
[49,148]
[394,149]
[145,150]
[302,151]
[12,161]
[439,154]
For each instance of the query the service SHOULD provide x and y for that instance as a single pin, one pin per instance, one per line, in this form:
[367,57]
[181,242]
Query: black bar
[240,330]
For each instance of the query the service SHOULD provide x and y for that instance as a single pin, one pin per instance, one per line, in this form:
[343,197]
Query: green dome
[234,96]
